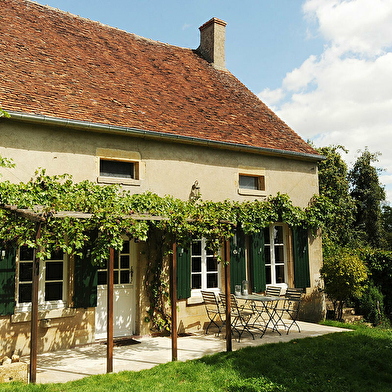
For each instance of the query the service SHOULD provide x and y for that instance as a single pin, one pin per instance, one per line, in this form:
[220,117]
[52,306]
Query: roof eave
[170,137]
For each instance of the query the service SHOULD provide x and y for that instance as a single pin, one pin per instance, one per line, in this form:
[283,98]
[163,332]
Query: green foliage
[111,211]
[371,305]
[368,195]
[334,186]
[344,274]
[379,264]
[386,217]
[3,113]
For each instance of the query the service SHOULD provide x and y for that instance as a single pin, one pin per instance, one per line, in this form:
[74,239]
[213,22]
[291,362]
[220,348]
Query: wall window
[52,283]
[111,168]
[204,267]
[119,171]
[122,270]
[275,254]
[252,182]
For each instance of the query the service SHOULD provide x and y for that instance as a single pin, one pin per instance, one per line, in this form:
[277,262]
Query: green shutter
[7,280]
[183,272]
[257,262]
[85,283]
[237,260]
[301,258]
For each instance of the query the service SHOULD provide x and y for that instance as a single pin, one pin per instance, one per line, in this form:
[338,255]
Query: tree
[344,276]
[333,184]
[368,195]
[386,215]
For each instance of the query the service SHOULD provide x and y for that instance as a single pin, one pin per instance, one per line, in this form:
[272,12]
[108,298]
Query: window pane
[102,277]
[124,261]
[125,247]
[212,281]
[25,292]
[249,182]
[196,248]
[279,254]
[115,277]
[278,235]
[196,264]
[266,235]
[279,270]
[267,255]
[54,270]
[124,277]
[268,274]
[53,291]
[25,272]
[26,253]
[212,264]
[209,252]
[196,281]
[116,169]
[115,263]
[57,255]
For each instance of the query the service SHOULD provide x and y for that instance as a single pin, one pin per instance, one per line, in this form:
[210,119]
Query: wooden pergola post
[174,303]
[109,323]
[229,346]
[34,310]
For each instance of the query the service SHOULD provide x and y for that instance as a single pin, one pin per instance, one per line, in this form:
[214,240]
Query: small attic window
[113,171]
[252,182]
[118,169]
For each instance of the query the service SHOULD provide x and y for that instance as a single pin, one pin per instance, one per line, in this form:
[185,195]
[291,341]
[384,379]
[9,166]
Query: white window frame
[204,256]
[131,268]
[42,304]
[271,245]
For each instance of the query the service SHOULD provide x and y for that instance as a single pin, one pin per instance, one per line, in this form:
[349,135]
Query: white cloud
[344,96]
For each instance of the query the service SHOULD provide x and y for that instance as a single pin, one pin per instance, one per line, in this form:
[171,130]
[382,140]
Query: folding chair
[290,308]
[264,310]
[273,291]
[215,310]
[241,316]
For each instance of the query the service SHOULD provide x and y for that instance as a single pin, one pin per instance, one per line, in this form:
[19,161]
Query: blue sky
[324,66]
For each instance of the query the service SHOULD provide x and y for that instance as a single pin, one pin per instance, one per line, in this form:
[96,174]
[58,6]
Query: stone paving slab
[76,363]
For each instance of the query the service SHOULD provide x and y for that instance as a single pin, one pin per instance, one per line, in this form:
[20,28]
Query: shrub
[371,305]
[344,274]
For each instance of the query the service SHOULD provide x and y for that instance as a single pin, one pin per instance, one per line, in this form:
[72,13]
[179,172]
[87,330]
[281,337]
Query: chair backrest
[294,294]
[233,301]
[273,291]
[209,298]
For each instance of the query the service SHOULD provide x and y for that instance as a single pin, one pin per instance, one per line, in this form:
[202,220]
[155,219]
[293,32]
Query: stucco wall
[165,169]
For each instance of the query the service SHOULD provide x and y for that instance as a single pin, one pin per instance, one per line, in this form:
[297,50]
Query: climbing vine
[112,215]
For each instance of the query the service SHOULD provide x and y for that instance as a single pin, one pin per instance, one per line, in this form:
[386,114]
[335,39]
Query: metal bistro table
[264,308]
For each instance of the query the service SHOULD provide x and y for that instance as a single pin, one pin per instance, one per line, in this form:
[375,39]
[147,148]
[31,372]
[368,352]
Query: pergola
[40,218]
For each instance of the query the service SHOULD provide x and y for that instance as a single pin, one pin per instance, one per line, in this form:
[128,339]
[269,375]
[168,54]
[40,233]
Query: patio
[147,352]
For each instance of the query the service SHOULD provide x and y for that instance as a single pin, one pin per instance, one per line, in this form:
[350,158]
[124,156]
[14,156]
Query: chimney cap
[211,21]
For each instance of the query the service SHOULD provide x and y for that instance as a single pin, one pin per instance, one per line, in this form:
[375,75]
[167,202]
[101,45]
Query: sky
[323,66]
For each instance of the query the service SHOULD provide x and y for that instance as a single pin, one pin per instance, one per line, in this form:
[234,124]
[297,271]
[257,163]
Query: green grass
[359,360]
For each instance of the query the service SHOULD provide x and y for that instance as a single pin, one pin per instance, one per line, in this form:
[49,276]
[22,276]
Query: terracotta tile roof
[56,64]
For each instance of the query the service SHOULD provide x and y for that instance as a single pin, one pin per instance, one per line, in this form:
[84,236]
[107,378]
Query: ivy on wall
[111,210]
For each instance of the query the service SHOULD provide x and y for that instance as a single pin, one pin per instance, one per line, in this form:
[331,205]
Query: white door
[123,294]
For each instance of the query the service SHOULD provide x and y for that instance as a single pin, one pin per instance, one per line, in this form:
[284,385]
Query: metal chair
[290,308]
[240,316]
[273,291]
[215,310]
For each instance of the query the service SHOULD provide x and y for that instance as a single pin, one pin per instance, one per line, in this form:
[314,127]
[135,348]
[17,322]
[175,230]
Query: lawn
[360,360]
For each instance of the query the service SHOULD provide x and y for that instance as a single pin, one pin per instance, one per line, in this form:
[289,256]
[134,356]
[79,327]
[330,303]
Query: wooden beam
[109,324]
[173,291]
[229,346]
[34,311]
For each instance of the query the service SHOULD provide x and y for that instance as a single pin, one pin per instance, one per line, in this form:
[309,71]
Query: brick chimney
[212,42]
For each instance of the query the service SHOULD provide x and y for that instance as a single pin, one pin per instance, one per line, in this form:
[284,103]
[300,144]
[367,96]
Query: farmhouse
[112,107]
